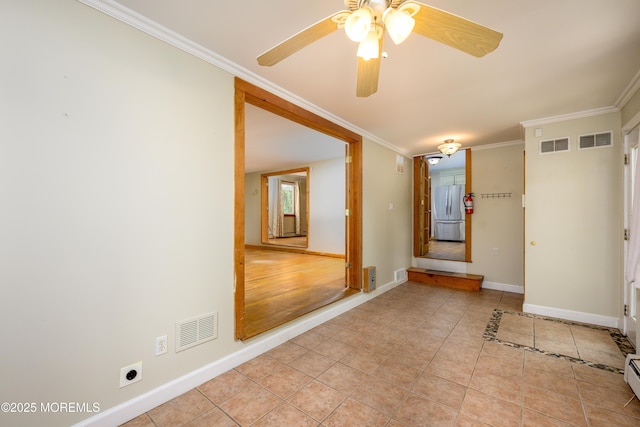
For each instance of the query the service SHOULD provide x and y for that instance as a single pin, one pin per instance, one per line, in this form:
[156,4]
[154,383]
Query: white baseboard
[516,289]
[576,316]
[140,404]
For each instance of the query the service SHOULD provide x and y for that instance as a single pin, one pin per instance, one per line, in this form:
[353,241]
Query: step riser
[472,282]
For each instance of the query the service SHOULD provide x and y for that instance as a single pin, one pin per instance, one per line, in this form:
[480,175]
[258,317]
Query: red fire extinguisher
[468,203]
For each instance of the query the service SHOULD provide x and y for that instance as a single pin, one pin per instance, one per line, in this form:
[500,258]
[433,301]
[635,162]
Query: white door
[630,291]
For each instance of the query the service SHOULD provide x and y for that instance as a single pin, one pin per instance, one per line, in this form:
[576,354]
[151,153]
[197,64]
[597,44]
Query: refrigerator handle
[446,204]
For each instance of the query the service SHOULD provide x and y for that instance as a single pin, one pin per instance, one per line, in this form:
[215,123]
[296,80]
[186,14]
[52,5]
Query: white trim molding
[629,91]
[152,28]
[132,408]
[516,289]
[575,316]
[497,145]
[571,116]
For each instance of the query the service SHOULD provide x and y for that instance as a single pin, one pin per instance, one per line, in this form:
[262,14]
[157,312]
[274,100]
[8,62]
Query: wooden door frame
[248,93]
[416,207]
[418,195]
[264,202]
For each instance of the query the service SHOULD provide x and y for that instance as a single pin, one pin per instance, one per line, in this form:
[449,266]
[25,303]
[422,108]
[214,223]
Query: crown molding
[152,28]
[629,91]
[497,145]
[570,116]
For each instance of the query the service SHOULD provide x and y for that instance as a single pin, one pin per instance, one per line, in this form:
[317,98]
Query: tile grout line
[491,331]
[463,313]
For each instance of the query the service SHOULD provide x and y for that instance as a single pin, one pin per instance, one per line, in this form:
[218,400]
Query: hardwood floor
[282,286]
[297,241]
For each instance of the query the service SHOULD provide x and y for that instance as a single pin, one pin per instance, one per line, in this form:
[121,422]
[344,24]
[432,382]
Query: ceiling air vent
[554,145]
[196,331]
[604,139]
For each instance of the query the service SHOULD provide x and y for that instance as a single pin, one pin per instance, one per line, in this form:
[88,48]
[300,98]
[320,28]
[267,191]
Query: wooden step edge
[445,273]
[471,282]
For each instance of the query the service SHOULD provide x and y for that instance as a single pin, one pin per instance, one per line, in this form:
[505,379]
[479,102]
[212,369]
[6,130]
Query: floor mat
[596,346]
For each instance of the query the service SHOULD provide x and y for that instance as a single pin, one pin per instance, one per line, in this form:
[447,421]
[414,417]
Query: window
[287,190]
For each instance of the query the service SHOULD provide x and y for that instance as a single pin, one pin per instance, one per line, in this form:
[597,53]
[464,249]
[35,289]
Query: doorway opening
[247,326]
[442,229]
[285,208]
[630,300]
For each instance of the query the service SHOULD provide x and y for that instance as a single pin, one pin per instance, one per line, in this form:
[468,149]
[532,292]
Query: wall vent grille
[554,145]
[596,140]
[196,331]
[400,276]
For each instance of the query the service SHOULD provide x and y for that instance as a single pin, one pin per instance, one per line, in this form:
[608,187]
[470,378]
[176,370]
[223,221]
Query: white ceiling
[557,57]
[275,143]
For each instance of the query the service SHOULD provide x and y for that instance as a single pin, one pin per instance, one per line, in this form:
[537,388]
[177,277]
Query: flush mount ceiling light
[433,160]
[449,147]
[365,22]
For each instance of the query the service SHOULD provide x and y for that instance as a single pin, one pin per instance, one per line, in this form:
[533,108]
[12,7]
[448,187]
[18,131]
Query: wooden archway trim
[246,92]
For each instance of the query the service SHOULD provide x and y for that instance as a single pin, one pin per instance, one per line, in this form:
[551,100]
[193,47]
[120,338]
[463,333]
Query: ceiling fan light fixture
[369,47]
[399,24]
[360,16]
[449,147]
[358,24]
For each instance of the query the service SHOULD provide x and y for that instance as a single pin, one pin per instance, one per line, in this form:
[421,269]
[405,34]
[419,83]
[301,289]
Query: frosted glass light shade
[358,24]
[369,46]
[433,160]
[399,25]
[449,147]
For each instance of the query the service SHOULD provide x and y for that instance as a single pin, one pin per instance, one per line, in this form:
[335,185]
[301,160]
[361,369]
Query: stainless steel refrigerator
[448,213]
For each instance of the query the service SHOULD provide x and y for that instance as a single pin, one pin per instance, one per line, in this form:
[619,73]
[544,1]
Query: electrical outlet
[161,345]
[130,374]
[496,251]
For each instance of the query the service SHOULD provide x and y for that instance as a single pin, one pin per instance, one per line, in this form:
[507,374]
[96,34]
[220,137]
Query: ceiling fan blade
[454,31]
[302,39]
[368,74]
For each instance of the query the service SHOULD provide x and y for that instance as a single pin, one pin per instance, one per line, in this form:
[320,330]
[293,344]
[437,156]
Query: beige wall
[387,212]
[497,223]
[574,215]
[117,222]
[326,206]
[115,225]
[252,207]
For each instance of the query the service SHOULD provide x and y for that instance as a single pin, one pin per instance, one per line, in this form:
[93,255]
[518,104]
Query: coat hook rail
[496,195]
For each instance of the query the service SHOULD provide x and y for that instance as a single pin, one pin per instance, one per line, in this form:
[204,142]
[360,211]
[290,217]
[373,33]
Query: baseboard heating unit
[632,373]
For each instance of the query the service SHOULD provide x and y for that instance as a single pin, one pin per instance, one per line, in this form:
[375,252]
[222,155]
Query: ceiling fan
[366,21]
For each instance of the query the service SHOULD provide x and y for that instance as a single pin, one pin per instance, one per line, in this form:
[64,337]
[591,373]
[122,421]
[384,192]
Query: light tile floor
[439,249]
[588,344]
[414,356]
